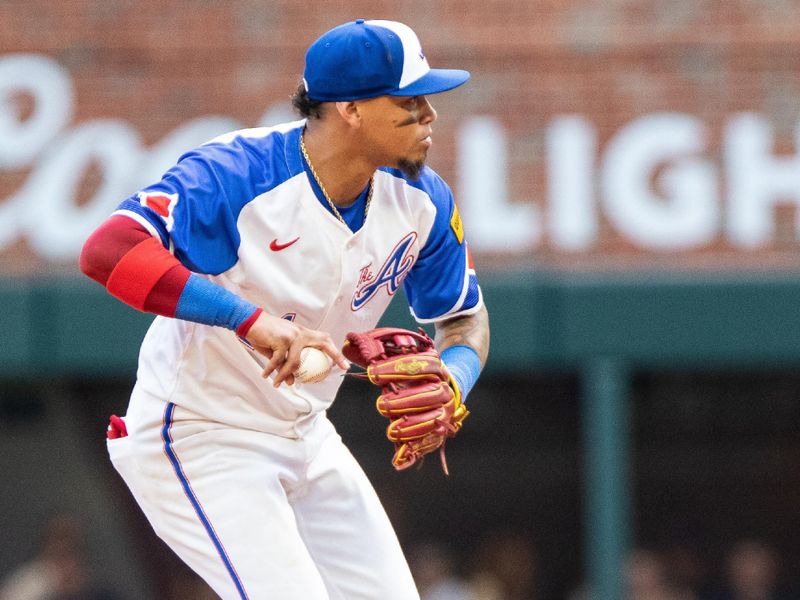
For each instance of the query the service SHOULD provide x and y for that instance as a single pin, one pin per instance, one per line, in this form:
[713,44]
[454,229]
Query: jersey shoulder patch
[456,225]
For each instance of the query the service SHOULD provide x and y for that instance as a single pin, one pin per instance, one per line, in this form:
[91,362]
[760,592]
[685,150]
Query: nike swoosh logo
[276,247]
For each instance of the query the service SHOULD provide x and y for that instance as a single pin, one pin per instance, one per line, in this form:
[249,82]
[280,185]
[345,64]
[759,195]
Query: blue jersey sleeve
[195,207]
[442,283]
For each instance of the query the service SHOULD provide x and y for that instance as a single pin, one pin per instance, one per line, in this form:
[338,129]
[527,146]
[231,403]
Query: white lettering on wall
[652,183]
[571,209]
[757,180]
[50,88]
[684,215]
[44,209]
[494,224]
[59,226]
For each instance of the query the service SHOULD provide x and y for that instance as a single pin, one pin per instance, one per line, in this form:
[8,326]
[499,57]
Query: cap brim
[433,82]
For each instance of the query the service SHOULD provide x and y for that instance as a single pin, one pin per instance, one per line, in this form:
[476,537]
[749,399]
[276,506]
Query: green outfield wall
[539,320]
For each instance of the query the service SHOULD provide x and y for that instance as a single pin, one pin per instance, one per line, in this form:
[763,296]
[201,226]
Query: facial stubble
[411,168]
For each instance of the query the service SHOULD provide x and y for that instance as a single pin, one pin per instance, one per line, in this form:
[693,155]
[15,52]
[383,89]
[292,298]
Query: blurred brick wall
[158,64]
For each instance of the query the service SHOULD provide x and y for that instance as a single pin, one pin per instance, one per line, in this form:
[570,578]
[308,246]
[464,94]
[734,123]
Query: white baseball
[315,366]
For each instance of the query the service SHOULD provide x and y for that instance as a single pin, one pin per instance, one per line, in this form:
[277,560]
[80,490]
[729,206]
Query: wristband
[203,301]
[244,328]
[464,365]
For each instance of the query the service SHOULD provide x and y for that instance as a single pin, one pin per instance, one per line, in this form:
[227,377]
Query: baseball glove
[418,395]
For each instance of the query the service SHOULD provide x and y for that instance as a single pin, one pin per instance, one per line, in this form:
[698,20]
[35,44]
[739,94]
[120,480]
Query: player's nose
[427,112]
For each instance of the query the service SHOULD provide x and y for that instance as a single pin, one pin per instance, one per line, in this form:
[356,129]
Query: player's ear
[350,112]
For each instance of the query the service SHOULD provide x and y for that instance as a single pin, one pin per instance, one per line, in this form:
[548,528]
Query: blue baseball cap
[365,59]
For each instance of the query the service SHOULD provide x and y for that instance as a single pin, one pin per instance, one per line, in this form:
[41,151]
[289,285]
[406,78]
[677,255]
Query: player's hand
[281,341]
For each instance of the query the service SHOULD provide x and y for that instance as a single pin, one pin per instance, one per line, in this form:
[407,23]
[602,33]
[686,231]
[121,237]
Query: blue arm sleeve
[205,302]
[464,365]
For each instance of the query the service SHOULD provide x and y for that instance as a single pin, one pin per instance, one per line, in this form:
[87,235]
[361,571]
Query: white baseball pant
[260,516]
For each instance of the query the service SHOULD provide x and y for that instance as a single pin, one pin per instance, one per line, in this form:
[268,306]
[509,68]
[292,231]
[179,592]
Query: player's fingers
[277,356]
[279,379]
[290,365]
[329,348]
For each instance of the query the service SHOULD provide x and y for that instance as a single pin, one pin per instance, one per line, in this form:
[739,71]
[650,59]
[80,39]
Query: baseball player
[258,244]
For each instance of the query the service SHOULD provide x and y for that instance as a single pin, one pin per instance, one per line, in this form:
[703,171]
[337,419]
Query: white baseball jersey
[244,211]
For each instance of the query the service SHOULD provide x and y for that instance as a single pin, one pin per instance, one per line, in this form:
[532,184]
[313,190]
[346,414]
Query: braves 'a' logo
[390,275]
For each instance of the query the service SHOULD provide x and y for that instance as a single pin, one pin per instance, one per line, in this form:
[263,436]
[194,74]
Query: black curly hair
[308,108]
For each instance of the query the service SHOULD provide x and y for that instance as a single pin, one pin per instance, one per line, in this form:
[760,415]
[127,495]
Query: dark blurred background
[629,180]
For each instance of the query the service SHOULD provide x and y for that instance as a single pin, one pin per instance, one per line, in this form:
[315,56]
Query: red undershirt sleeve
[108,244]
[122,256]
[138,272]
[136,268]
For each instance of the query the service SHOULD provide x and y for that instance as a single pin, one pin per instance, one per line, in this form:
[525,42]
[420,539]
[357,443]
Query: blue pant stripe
[187,489]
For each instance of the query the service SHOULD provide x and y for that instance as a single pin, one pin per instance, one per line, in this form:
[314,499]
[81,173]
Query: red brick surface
[158,64]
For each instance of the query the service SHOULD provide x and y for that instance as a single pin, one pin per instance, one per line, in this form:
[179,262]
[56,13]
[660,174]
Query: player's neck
[344,173]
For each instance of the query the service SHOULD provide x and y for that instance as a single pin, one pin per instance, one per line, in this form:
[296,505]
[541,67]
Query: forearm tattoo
[471,330]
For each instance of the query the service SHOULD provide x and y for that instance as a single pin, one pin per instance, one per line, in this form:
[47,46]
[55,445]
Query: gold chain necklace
[335,210]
